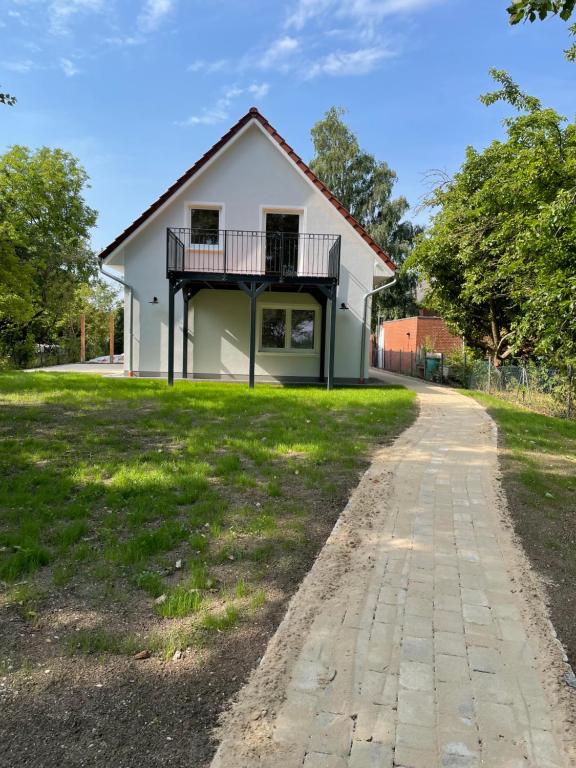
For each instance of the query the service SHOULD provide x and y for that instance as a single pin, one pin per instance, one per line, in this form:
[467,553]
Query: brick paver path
[427,663]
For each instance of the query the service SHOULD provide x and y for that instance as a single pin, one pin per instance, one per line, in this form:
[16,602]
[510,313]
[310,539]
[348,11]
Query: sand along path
[419,638]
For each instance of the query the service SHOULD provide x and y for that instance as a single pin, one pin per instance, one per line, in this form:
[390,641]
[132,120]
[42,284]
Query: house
[247,268]
[400,344]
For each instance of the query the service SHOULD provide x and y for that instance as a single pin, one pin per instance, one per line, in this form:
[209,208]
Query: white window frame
[287,349]
[298,210]
[189,205]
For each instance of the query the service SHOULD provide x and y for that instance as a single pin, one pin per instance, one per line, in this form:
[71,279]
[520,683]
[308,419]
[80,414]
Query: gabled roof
[252,114]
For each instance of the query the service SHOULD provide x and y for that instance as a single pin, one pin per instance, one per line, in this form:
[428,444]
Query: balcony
[235,255]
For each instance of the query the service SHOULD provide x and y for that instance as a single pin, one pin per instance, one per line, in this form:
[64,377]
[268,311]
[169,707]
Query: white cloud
[306,10]
[220,110]
[153,13]
[21,67]
[127,41]
[68,67]
[61,12]
[359,62]
[259,91]
[208,67]
[358,11]
[279,51]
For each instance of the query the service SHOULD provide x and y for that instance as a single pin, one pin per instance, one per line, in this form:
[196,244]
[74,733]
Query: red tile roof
[252,114]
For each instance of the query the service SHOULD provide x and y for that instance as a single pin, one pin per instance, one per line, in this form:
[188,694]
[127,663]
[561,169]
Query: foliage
[6,98]
[44,231]
[500,256]
[530,10]
[364,186]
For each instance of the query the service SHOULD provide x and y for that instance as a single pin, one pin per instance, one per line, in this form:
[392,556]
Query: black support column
[324,310]
[252,335]
[186,298]
[171,295]
[330,380]
[173,288]
[253,290]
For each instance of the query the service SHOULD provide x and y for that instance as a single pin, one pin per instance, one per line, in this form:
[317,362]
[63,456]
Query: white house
[247,268]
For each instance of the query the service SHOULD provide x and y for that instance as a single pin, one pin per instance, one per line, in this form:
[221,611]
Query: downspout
[129,288]
[365,320]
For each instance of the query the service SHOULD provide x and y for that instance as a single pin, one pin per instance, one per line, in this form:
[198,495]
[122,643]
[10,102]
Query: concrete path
[101,369]
[428,654]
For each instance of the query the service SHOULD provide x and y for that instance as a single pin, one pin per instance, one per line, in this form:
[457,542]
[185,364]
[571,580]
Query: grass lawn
[138,518]
[539,466]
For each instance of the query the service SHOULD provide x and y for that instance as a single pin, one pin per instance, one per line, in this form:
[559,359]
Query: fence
[540,388]
[537,387]
[425,365]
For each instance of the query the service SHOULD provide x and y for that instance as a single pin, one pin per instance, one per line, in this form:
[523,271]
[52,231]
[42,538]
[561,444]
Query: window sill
[290,352]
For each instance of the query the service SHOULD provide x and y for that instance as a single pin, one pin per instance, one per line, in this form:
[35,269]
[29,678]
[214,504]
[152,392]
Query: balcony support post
[324,310]
[330,379]
[171,294]
[185,308]
[173,287]
[253,290]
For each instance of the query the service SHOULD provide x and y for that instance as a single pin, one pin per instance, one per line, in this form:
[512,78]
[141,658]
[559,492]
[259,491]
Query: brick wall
[403,338]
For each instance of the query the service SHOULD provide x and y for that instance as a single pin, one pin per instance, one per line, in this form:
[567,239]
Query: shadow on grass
[114,493]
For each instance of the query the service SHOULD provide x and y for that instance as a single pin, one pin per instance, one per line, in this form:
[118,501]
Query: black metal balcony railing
[242,252]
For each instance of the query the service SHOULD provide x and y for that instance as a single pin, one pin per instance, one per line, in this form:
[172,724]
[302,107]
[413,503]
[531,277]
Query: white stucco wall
[250,174]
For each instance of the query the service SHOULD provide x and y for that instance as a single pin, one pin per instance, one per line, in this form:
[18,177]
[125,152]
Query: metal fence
[431,366]
[540,388]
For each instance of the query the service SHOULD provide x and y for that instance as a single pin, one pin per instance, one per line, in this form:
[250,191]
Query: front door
[282,231]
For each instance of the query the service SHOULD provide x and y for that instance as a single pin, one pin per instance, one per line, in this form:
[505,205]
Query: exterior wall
[250,175]
[405,337]
[219,331]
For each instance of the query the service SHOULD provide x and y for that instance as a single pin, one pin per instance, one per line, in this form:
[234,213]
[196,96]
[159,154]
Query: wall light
[154,300]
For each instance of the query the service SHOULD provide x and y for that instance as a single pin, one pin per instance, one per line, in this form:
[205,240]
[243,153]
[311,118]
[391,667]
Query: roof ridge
[252,114]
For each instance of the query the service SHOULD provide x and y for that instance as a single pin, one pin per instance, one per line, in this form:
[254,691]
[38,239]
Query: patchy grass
[144,501]
[539,464]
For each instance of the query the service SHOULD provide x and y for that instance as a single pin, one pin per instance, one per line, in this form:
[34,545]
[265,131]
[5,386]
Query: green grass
[105,484]
[539,470]
[542,446]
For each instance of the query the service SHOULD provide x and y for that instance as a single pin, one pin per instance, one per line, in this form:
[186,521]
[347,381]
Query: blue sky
[139,89]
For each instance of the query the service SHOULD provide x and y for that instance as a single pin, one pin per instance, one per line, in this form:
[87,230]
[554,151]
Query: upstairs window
[205,223]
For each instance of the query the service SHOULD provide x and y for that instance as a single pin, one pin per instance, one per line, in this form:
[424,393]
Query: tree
[500,255]
[95,300]
[6,98]
[364,186]
[44,245]
[530,10]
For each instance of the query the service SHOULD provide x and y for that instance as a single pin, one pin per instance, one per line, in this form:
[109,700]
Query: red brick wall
[403,338]
[432,331]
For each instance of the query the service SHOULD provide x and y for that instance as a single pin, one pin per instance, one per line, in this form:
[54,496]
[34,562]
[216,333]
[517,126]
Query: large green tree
[500,255]
[44,245]
[364,186]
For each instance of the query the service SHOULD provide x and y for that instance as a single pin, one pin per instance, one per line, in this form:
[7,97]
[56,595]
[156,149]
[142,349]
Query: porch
[253,262]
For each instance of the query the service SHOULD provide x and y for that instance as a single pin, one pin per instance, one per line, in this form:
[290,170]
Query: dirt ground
[68,710]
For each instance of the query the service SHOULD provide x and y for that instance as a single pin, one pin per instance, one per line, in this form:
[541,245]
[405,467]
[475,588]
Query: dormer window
[205,224]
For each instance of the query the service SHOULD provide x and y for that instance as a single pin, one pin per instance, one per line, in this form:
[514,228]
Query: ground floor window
[290,329]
